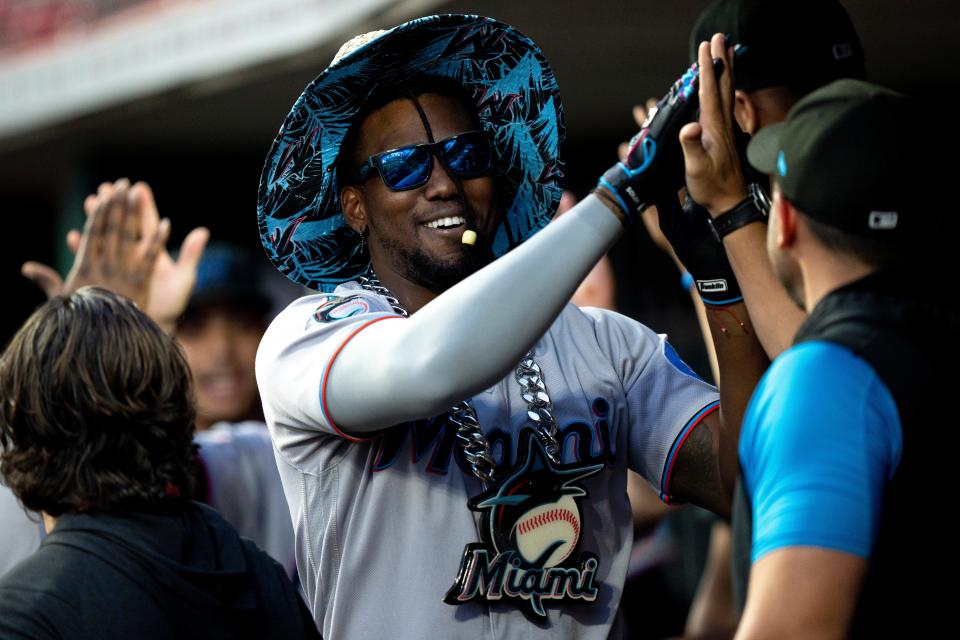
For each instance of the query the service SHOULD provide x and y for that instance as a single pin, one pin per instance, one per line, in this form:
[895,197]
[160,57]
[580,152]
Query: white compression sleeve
[473,334]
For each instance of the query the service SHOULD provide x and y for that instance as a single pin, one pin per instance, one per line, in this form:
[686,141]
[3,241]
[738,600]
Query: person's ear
[745,112]
[786,220]
[351,202]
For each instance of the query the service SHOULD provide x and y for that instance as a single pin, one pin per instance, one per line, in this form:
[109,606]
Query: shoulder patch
[334,307]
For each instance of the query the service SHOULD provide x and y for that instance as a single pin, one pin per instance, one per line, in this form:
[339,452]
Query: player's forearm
[802,592]
[472,335]
[775,316]
[741,361]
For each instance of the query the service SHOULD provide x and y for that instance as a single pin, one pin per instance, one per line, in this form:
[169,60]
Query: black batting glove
[688,230]
[654,164]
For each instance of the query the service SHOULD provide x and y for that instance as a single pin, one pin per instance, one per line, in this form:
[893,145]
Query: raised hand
[714,177]
[112,252]
[654,163]
[123,248]
[171,280]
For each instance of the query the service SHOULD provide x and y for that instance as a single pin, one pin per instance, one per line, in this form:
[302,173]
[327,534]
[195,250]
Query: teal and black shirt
[820,441]
[846,445]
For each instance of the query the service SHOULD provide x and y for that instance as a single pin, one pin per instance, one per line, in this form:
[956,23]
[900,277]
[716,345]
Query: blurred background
[188,94]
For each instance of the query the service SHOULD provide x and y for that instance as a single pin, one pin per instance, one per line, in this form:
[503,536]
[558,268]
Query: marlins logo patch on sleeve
[333,307]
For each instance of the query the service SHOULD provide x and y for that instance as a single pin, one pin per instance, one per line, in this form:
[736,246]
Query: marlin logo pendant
[530,527]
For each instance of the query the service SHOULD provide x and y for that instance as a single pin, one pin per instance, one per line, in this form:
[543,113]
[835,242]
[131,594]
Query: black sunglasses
[467,155]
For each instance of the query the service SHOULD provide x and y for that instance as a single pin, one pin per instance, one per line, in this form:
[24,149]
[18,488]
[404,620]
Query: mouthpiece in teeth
[469,237]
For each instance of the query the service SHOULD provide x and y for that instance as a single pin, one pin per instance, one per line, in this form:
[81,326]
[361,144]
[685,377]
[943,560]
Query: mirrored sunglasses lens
[467,155]
[405,168]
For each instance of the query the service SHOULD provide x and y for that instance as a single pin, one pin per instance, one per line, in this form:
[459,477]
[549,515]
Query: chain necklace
[533,390]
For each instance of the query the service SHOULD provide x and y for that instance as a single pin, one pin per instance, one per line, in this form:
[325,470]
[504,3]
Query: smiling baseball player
[453,438]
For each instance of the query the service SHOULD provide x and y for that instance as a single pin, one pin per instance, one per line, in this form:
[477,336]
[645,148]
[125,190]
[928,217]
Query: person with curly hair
[96,433]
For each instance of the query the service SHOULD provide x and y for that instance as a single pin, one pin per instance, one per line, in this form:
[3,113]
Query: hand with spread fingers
[172,280]
[714,177]
[123,248]
[113,252]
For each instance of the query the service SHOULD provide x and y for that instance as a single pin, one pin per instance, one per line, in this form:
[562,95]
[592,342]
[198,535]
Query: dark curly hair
[98,411]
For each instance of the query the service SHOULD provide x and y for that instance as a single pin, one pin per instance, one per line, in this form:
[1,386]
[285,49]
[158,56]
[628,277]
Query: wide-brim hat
[515,94]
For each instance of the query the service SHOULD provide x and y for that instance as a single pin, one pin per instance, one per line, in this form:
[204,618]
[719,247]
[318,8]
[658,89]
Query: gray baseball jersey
[381,522]
[19,532]
[243,485]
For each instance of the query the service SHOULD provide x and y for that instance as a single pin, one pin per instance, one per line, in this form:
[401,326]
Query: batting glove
[654,164]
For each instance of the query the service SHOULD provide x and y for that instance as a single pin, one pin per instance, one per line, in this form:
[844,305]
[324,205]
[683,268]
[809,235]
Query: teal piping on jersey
[678,445]
[326,375]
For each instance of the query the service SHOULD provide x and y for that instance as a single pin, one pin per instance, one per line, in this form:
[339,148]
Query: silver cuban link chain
[370,282]
[533,390]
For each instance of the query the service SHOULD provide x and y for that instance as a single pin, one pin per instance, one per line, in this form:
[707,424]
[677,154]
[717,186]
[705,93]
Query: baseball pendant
[530,526]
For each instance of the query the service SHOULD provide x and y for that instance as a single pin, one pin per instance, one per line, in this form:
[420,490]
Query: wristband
[741,215]
[688,230]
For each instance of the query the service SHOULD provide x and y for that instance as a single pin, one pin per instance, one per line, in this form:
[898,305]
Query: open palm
[170,281]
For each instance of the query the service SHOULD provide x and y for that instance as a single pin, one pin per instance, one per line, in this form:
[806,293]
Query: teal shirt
[820,440]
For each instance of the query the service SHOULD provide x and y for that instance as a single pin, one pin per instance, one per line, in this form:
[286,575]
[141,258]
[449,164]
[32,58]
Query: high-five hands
[123,248]
[653,165]
[684,230]
[714,177]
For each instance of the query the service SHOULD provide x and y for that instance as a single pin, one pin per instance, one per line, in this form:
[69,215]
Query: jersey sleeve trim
[678,445]
[326,375]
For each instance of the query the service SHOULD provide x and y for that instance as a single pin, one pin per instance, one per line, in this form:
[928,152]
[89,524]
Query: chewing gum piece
[469,237]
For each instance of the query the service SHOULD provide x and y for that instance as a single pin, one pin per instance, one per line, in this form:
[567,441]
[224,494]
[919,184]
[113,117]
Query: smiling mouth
[450,222]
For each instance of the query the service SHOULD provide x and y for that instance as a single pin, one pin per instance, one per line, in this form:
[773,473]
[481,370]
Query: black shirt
[179,574]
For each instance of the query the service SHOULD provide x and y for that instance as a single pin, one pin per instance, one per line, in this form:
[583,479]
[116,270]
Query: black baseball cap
[846,157]
[802,44]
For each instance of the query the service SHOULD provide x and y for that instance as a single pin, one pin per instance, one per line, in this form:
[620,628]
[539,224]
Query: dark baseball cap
[845,157]
[231,276]
[802,44]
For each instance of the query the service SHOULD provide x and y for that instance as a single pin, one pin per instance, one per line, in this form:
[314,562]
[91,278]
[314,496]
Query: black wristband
[741,215]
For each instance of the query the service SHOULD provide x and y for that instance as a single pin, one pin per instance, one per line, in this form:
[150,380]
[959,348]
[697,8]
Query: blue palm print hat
[517,101]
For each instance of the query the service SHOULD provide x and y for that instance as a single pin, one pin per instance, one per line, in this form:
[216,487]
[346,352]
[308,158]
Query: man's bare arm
[696,473]
[776,317]
[707,468]
[742,362]
[802,592]
[714,178]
